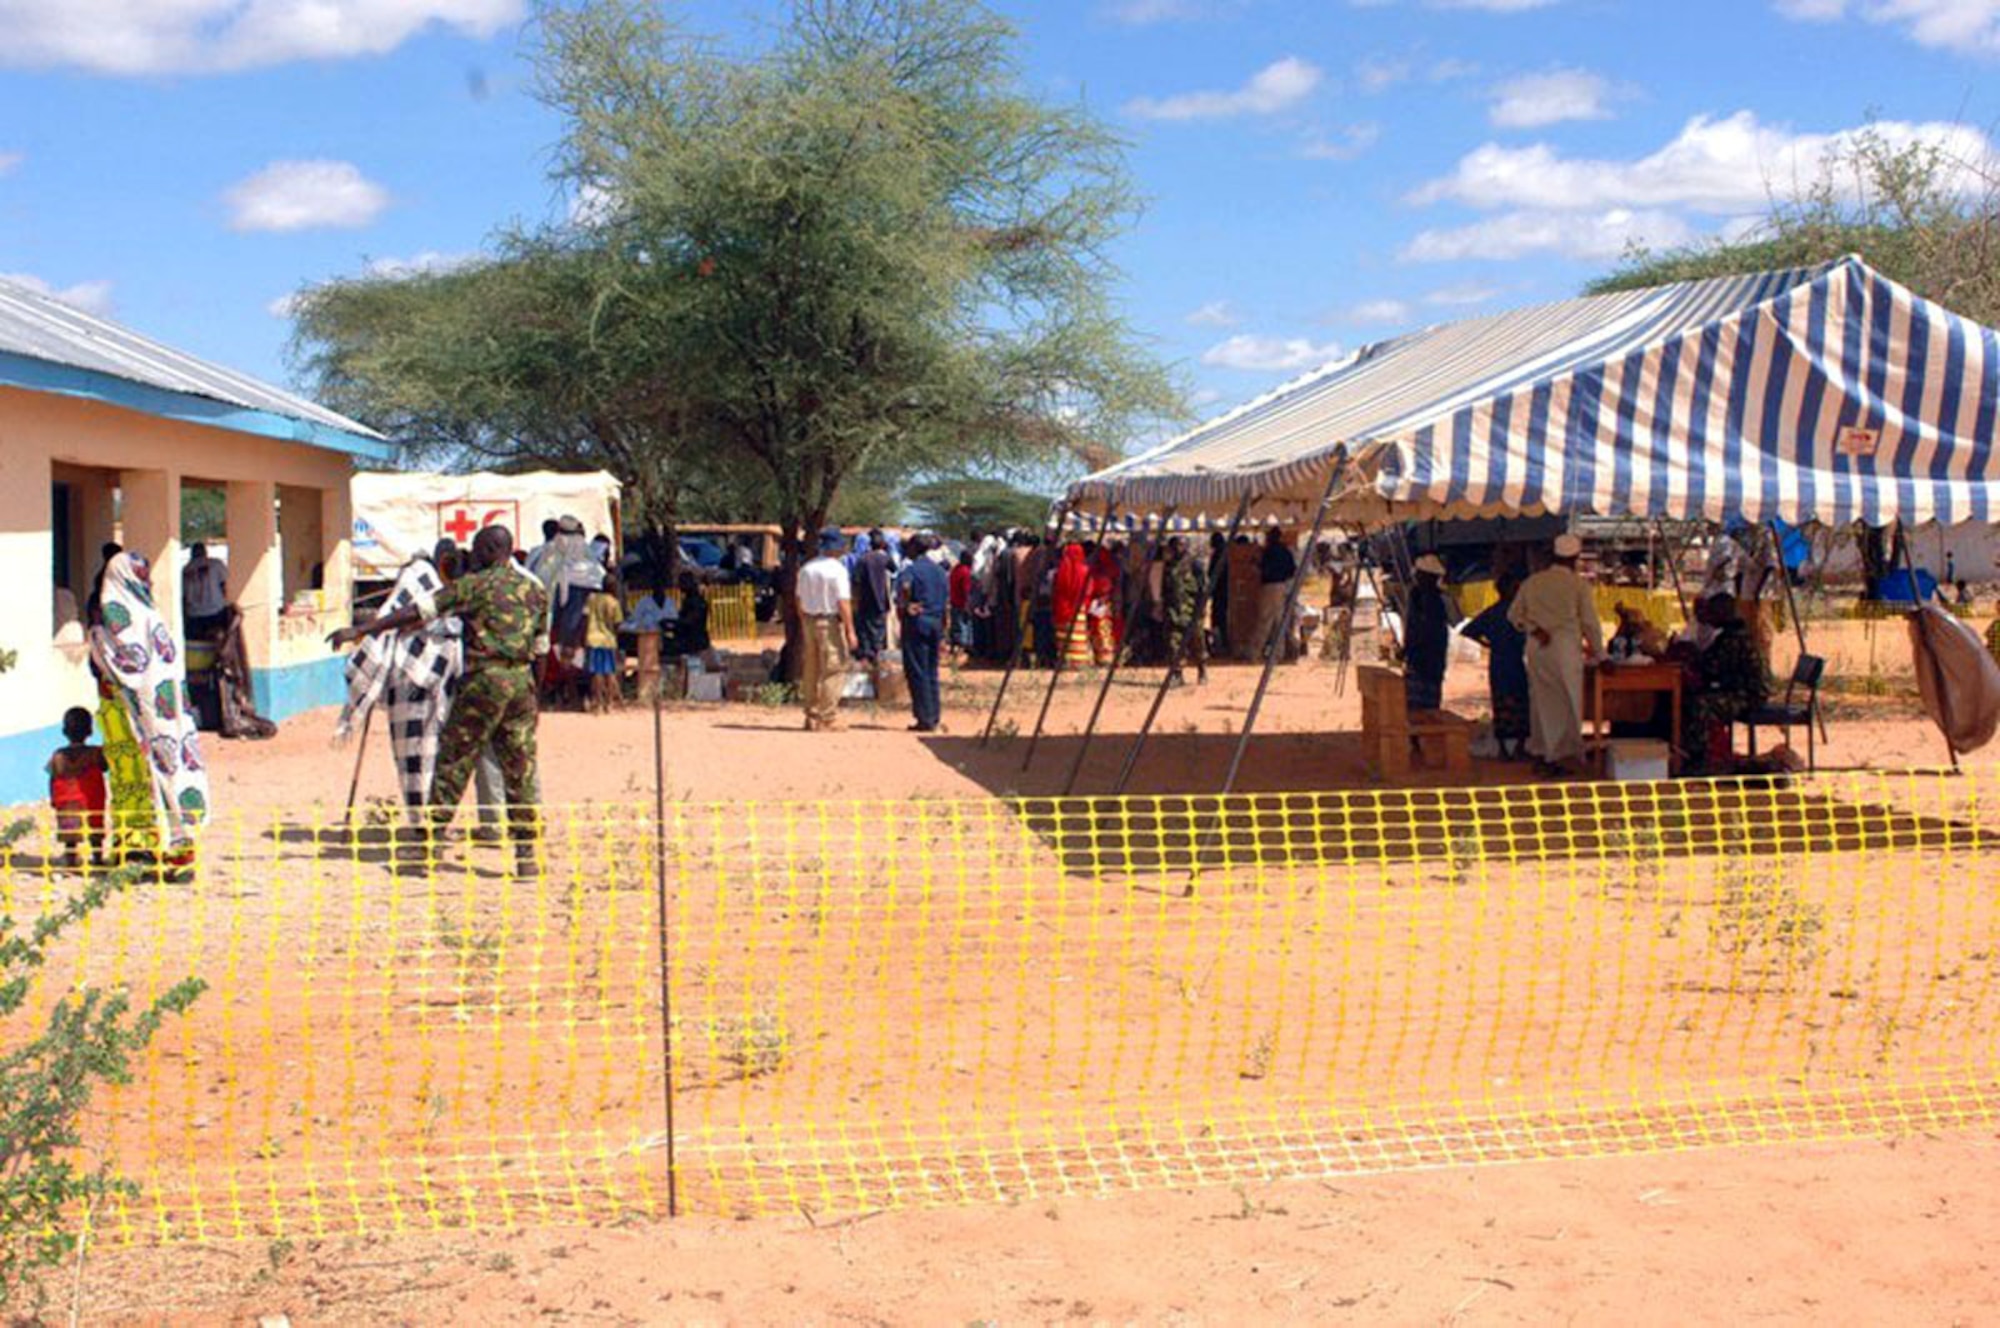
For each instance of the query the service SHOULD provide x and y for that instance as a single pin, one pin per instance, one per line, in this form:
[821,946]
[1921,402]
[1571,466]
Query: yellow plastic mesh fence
[936,1001]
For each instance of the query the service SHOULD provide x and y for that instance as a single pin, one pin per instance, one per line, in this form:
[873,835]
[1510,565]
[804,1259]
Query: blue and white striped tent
[1829,394]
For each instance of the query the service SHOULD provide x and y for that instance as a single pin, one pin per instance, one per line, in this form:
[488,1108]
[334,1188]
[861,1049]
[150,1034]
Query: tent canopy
[1827,394]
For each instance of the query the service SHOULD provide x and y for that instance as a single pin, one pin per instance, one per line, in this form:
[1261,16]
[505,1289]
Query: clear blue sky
[1321,173]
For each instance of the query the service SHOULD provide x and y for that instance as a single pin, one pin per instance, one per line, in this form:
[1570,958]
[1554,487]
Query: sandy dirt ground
[1307,738]
[1859,1232]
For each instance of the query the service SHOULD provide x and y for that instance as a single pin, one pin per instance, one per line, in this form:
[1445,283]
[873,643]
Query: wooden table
[1609,679]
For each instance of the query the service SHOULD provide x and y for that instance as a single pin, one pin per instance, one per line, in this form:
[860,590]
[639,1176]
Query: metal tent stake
[1069,639]
[1117,657]
[1277,634]
[1021,634]
[1203,599]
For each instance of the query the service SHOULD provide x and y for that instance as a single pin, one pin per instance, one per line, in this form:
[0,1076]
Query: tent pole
[1117,657]
[1344,662]
[1272,643]
[1674,556]
[1180,648]
[1924,635]
[1792,607]
[1381,603]
[1062,652]
[1020,638]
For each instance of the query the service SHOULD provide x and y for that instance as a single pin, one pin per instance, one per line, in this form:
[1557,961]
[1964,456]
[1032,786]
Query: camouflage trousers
[495,704]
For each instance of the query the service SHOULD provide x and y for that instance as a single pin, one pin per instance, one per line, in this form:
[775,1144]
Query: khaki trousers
[825,672]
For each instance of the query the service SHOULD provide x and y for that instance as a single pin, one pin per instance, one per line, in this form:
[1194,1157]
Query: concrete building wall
[92,448]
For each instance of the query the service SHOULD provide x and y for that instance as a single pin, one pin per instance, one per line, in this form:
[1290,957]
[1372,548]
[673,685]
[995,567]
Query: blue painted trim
[24,759]
[297,688]
[281,694]
[25,371]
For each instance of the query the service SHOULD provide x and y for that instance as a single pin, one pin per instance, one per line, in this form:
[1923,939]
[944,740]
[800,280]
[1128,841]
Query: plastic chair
[1786,714]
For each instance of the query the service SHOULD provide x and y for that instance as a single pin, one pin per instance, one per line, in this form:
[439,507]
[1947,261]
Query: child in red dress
[76,790]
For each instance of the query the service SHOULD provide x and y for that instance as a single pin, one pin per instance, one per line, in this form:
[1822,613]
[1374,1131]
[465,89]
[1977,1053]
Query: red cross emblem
[461,521]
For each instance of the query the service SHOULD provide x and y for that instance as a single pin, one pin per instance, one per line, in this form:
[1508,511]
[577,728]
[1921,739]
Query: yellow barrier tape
[940,1001]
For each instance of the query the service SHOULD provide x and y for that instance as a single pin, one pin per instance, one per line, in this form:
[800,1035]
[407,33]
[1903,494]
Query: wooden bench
[1389,731]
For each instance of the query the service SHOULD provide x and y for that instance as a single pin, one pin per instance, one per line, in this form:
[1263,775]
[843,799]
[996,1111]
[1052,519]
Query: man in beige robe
[1557,610]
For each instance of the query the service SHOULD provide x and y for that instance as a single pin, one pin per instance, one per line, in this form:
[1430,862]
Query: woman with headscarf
[572,573]
[1069,596]
[1106,578]
[159,782]
[412,674]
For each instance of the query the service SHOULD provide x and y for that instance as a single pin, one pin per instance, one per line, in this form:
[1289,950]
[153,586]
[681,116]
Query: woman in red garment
[1070,595]
[1102,607]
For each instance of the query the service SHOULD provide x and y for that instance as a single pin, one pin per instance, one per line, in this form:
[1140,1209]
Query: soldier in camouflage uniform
[502,612]
[1181,593]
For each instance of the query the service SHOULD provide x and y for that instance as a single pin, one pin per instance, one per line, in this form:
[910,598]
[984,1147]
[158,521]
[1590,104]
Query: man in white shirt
[1557,610]
[205,593]
[826,604]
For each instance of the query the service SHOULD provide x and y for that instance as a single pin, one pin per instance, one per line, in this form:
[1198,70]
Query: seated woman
[1725,682]
[691,631]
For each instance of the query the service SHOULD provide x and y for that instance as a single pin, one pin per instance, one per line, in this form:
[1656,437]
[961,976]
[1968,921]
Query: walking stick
[360,752]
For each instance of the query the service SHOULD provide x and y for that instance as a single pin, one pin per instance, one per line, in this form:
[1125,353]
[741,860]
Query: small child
[76,790]
[603,613]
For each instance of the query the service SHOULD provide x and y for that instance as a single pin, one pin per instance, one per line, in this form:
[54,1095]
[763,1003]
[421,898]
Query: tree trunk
[798,540]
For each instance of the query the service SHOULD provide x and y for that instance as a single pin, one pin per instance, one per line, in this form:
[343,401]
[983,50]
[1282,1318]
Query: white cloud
[1487,6]
[1274,88]
[1269,354]
[92,297]
[1379,74]
[215,36]
[1344,144]
[1377,311]
[1727,166]
[1203,397]
[1139,13]
[1216,313]
[305,195]
[1954,25]
[430,260]
[1586,235]
[1457,297]
[1534,100]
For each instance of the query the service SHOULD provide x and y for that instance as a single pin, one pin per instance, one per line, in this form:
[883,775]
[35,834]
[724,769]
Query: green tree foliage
[859,252]
[46,1083]
[523,361]
[204,514]
[961,506]
[1915,212]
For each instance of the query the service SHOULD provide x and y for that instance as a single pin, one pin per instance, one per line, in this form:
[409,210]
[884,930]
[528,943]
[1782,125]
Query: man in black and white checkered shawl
[413,673]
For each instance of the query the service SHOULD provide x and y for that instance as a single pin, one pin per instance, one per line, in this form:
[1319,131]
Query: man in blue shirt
[923,593]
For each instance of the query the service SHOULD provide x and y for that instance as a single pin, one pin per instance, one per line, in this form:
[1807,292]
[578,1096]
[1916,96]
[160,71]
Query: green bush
[46,1083]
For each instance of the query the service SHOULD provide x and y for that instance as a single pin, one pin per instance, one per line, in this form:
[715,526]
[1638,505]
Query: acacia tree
[858,253]
[516,361]
[1918,212]
[883,256]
